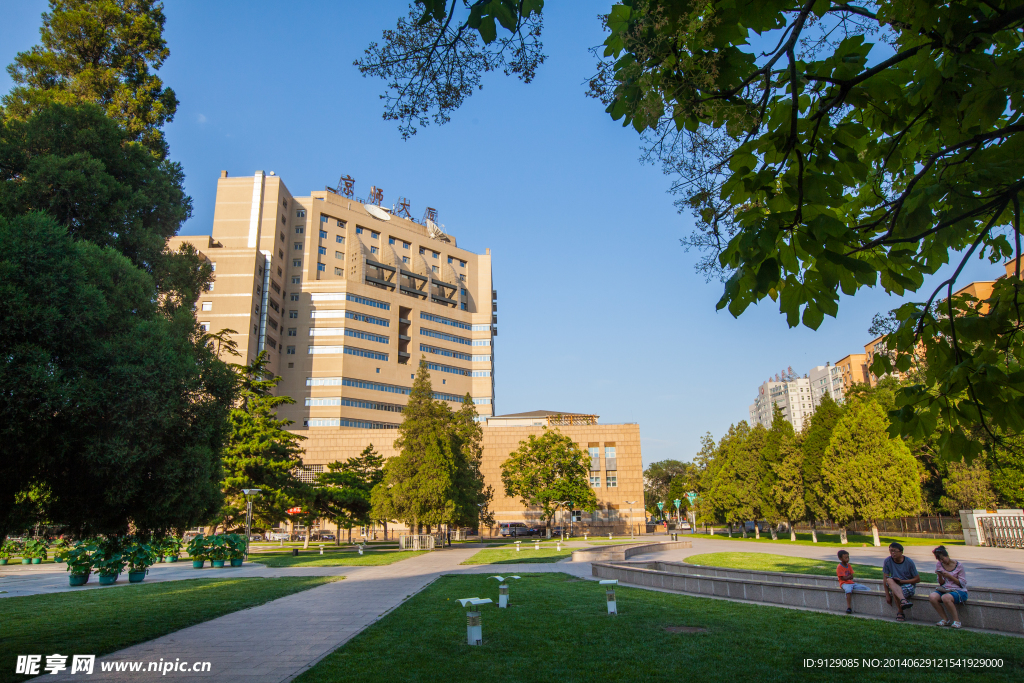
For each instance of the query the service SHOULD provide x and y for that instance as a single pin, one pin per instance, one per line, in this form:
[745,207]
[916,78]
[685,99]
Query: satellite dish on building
[377,212]
[435,232]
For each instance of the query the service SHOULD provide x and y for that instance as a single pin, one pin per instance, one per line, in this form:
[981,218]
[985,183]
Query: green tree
[99,51]
[347,487]
[546,470]
[788,487]
[658,478]
[260,452]
[473,495]
[733,494]
[866,474]
[1006,464]
[115,410]
[818,435]
[967,487]
[814,162]
[770,456]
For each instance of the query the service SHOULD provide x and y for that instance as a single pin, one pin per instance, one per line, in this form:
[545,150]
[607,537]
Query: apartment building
[346,297]
[793,396]
[825,380]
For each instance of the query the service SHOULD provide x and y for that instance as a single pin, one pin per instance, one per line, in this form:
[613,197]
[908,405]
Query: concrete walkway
[275,642]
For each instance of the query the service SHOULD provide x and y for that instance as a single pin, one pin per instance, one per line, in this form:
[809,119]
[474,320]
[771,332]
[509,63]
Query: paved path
[988,567]
[277,641]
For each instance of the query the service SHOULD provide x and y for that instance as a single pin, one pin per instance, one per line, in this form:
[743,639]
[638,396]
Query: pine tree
[867,475]
[788,488]
[770,456]
[99,51]
[967,487]
[345,489]
[733,492]
[474,496]
[260,452]
[818,434]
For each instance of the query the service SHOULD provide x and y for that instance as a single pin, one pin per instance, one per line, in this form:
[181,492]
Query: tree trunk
[743,529]
[757,530]
[337,535]
[874,533]
[305,545]
[774,530]
[814,532]
[792,531]
[842,535]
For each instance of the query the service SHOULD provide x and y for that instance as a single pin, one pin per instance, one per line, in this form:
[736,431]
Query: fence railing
[416,542]
[939,524]
[1003,532]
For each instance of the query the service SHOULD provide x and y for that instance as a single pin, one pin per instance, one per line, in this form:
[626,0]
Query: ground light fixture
[503,589]
[610,594]
[631,503]
[249,495]
[474,629]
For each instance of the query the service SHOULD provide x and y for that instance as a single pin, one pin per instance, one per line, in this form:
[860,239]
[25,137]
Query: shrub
[79,556]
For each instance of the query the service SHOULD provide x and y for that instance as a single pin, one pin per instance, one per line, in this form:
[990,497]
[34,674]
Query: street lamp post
[631,503]
[562,503]
[248,516]
[692,496]
[661,512]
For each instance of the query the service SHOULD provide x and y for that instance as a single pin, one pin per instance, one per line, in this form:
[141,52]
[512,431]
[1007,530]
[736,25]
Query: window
[445,336]
[450,259]
[209,287]
[293,332]
[259,290]
[609,451]
[282,237]
[462,276]
[422,250]
[350,350]
[464,292]
[374,250]
[434,268]
[322,251]
[293,314]
[207,305]
[464,306]
[338,271]
[340,239]
[436,254]
[359,231]
[301,213]
[294,296]
[612,481]
[406,245]
[341,223]
[213,266]
[391,240]
[321,267]
[595,481]
[448,321]
[284,202]
[299,230]
[374,235]
[289,350]
[283,219]
[595,457]
[342,296]
[205,327]
[405,259]
[323,219]
[339,254]
[323,234]
[298,246]
[297,263]
[296,280]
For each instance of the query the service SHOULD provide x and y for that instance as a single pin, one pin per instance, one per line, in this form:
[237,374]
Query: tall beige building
[346,297]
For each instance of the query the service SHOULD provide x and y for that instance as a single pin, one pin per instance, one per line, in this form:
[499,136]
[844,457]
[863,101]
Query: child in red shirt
[844,571]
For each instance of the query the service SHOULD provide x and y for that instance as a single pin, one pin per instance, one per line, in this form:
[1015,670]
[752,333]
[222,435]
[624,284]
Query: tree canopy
[99,51]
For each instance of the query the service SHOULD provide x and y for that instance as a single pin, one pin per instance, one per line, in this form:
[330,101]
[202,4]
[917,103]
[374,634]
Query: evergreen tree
[733,492]
[1006,466]
[967,487]
[474,496]
[658,478]
[260,452]
[788,488]
[345,490]
[867,475]
[770,456]
[99,51]
[546,470]
[818,434]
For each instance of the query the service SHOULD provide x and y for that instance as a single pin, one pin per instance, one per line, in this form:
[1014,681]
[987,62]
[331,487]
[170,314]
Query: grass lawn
[793,565]
[557,629]
[526,556]
[827,540]
[105,620]
[335,559]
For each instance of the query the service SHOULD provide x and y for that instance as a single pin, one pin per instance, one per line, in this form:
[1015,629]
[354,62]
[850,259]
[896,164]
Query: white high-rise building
[793,396]
[826,379]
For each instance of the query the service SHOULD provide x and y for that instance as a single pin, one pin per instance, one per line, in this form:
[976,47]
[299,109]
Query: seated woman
[952,589]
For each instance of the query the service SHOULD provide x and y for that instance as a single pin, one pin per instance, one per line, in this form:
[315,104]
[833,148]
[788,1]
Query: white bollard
[503,596]
[559,545]
[584,536]
[321,550]
[536,545]
[609,536]
[474,627]
[610,594]
[518,546]
[360,550]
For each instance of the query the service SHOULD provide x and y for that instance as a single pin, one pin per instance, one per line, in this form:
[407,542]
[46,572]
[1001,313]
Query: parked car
[277,536]
[683,526]
[326,536]
[515,529]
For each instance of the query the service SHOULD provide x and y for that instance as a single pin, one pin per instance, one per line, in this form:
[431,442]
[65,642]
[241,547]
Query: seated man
[900,574]
[845,573]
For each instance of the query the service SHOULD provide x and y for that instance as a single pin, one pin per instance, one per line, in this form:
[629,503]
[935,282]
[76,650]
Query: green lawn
[794,565]
[105,620]
[527,555]
[827,540]
[334,559]
[557,629]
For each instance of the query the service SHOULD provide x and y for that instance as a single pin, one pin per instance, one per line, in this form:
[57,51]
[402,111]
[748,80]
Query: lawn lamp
[474,628]
[249,494]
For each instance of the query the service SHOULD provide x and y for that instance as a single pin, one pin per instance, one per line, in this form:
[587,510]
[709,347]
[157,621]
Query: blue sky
[599,310]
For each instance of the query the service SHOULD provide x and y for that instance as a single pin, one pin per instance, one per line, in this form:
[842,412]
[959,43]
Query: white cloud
[201,119]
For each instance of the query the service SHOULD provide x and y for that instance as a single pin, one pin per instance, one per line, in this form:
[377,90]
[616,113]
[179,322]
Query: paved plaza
[277,641]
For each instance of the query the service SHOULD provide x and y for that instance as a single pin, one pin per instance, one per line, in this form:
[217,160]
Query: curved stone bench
[613,553]
[1004,611]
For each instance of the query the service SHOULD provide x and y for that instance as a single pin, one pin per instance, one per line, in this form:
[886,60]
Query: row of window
[345,332]
[350,350]
[374,386]
[449,369]
[482,401]
[345,296]
[445,321]
[351,315]
[426,332]
[611,480]
[438,351]
[354,403]
[342,422]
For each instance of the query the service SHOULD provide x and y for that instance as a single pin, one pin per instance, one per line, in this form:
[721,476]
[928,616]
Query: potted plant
[35,550]
[108,560]
[171,548]
[79,559]
[7,548]
[236,549]
[218,550]
[60,549]
[198,550]
[140,557]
